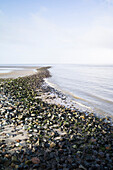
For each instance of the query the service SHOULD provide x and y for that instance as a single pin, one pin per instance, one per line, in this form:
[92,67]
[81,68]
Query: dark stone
[47,145]
[36,166]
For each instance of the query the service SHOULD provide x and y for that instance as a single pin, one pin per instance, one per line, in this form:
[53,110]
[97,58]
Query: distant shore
[36,133]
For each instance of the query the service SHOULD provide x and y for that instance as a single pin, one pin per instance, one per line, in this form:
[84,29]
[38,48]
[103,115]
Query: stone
[82,167]
[14,159]
[18,140]
[74,146]
[35,160]
[28,162]
[52,144]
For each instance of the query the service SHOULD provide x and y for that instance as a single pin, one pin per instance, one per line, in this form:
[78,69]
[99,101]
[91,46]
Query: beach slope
[35,134]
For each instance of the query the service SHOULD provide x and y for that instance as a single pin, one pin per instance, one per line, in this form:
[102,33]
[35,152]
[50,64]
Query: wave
[71,95]
[88,86]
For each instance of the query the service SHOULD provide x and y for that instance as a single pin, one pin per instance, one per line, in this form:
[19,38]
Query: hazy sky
[56,31]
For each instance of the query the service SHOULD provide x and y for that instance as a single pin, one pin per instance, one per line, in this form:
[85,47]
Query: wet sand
[17,72]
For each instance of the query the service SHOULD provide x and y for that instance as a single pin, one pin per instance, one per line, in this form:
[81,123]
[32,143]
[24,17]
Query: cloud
[40,40]
[1,12]
[100,34]
[42,11]
[109,1]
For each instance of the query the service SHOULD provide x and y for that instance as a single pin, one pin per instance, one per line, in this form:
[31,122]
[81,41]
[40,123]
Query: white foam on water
[69,95]
[89,85]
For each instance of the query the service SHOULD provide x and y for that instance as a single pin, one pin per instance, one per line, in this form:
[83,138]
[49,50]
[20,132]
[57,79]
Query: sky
[56,31]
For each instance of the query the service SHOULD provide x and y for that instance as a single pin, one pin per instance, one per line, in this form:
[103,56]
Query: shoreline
[70,98]
[16,72]
[54,136]
[70,102]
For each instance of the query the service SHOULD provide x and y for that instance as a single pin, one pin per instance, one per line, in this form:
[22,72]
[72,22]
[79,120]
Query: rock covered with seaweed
[56,137]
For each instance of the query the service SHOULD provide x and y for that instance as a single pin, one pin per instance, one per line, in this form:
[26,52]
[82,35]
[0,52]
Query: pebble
[58,137]
[35,160]
[52,144]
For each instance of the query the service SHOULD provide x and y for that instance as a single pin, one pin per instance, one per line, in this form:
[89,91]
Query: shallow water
[5,71]
[9,69]
[89,85]
[16,71]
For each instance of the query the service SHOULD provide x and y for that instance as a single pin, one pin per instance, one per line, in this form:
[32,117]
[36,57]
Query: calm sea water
[89,85]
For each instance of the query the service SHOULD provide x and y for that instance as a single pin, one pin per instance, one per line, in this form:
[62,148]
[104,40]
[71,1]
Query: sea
[90,86]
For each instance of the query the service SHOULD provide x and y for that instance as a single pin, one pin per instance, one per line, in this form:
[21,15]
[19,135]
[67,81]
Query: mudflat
[18,72]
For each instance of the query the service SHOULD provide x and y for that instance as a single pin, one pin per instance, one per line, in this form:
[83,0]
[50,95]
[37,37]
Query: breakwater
[42,135]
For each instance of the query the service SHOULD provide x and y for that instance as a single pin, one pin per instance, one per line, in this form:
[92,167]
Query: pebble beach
[36,132]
